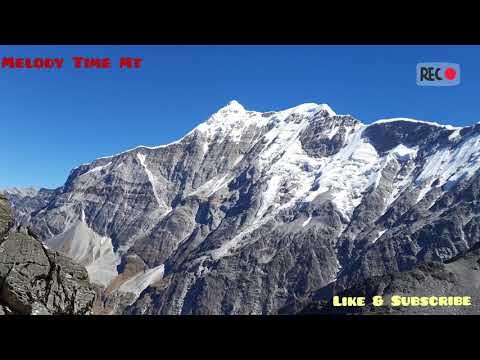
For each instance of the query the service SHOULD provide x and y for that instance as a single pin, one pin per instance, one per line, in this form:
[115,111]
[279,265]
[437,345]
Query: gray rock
[4,310]
[6,217]
[460,276]
[35,280]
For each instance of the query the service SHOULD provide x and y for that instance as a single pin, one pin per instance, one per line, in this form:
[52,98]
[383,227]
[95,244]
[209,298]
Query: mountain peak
[233,106]
[310,108]
[327,108]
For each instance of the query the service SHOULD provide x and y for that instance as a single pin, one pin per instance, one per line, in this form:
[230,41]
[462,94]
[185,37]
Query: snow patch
[431,123]
[97,168]
[306,222]
[450,165]
[379,235]
[138,283]
[150,176]
[402,152]
[347,174]
[454,135]
[212,186]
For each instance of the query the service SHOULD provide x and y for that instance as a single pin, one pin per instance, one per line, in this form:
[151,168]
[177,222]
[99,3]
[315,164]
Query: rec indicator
[438,74]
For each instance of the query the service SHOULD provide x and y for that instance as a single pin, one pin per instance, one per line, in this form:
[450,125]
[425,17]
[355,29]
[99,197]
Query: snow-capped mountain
[252,210]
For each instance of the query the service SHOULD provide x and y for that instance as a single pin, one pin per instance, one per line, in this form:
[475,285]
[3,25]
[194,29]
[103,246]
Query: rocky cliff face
[251,211]
[459,276]
[35,280]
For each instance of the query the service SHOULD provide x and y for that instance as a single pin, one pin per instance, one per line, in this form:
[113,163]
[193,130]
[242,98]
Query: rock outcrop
[35,280]
[459,277]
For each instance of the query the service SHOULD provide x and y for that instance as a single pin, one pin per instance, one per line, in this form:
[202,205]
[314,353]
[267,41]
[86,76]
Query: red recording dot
[450,73]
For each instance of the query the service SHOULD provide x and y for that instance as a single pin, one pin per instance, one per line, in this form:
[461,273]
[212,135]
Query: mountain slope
[459,276]
[250,211]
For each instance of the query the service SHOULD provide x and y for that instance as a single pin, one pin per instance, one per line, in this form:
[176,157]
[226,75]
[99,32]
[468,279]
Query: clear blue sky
[52,121]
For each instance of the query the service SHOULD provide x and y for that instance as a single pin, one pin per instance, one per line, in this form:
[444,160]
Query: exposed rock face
[459,276]
[250,211]
[6,217]
[35,280]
